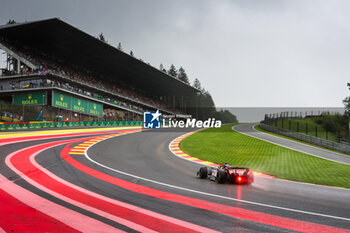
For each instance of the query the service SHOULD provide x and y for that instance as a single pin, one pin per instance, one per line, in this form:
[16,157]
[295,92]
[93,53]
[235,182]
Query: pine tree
[161,68]
[183,76]
[197,84]
[346,102]
[101,37]
[172,71]
[11,21]
[120,46]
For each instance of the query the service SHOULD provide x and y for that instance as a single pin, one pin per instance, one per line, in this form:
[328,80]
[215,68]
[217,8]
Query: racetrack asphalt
[146,155]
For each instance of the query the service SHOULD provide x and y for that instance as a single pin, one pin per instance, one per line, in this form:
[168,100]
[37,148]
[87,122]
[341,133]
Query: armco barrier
[62,124]
[342,147]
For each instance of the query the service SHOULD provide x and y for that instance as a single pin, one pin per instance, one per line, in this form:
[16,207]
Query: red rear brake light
[239,179]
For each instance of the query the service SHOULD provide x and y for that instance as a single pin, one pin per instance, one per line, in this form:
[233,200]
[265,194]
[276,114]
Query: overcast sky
[248,53]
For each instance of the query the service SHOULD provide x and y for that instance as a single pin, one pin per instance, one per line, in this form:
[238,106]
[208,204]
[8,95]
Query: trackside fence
[342,147]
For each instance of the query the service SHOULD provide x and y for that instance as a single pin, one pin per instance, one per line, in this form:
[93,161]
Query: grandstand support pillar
[23,112]
[43,109]
[8,62]
[18,66]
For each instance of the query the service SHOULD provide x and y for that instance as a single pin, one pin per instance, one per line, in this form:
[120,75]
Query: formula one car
[227,174]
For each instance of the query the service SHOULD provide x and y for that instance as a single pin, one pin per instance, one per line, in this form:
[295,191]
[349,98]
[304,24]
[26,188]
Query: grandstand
[54,66]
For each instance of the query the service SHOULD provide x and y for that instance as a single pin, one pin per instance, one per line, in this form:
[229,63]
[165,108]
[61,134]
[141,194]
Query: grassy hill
[307,126]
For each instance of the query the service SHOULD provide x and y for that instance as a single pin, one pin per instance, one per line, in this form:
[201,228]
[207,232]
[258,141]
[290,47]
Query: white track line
[210,194]
[77,222]
[125,222]
[97,211]
[275,143]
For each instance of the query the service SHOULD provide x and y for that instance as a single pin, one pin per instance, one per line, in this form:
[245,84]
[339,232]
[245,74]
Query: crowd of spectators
[47,65]
[7,116]
[39,83]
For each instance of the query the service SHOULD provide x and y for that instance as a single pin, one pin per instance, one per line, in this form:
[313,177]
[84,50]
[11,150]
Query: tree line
[201,105]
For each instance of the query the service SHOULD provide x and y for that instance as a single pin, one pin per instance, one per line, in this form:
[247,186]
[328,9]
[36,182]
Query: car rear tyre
[203,172]
[221,177]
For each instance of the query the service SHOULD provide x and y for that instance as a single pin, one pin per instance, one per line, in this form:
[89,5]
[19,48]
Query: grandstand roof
[67,43]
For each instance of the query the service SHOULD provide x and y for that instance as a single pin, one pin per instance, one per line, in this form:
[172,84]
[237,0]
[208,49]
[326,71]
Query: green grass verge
[257,127]
[225,145]
[305,126]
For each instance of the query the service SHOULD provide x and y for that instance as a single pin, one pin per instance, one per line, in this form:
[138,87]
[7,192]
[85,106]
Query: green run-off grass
[299,125]
[225,145]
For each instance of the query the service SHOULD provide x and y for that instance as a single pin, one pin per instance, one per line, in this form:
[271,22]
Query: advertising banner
[95,109]
[61,100]
[30,98]
[79,105]
[76,104]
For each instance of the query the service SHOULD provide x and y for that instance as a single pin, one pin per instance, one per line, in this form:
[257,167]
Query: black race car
[227,174]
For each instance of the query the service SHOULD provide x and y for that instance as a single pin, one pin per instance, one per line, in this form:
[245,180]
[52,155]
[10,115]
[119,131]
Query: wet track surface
[144,156]
[145,159]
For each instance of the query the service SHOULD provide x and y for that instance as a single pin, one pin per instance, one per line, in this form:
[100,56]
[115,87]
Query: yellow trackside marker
[80,147]
[68,131]
[77,150]
[174,147]
[77,153]
[206,162]
[192,158]
[181,154]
